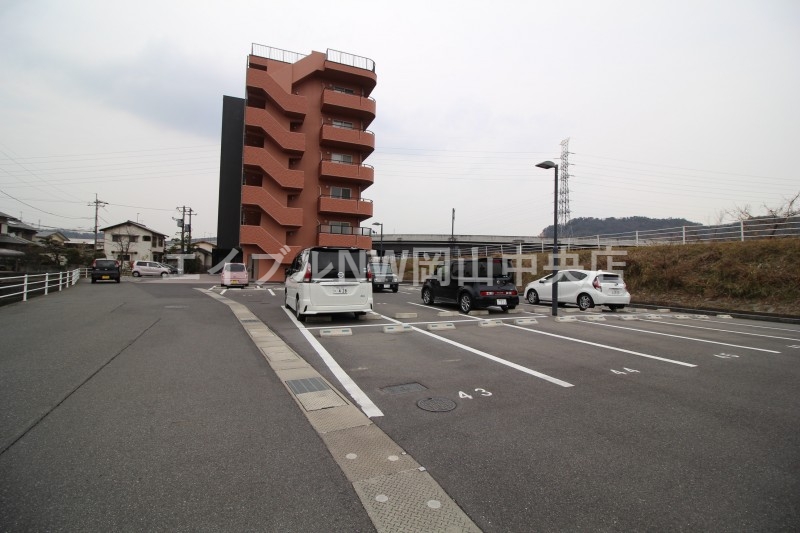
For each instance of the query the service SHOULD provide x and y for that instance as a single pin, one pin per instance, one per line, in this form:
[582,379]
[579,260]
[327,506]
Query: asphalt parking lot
[592,421]
[159,408]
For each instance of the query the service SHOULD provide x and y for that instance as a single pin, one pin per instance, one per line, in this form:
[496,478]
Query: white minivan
[327,279]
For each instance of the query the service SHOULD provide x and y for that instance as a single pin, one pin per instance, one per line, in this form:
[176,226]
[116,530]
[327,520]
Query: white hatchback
[584,288]
[326,279]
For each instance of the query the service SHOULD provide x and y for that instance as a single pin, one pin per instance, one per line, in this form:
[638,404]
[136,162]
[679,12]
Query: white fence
[11,288]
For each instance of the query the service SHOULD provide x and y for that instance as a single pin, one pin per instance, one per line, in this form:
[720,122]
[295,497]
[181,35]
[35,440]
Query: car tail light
[307,275]
[596,285]
[499,293]
[369,273]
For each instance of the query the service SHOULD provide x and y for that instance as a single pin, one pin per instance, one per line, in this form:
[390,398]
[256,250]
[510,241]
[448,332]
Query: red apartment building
[303,139]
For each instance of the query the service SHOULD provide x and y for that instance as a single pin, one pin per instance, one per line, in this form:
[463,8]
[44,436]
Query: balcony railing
[351,60]
[276,54]
[350,206]
[340,169]
[351,138]
[344,230]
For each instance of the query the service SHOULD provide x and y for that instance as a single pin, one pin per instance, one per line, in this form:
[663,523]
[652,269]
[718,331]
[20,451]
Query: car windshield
[381,268]
[609,278]
[236,267]
[105,263]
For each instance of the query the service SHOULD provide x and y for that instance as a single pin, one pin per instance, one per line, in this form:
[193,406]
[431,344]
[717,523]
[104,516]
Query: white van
[326,279]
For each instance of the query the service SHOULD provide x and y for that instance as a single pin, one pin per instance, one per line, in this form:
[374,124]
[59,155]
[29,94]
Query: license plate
[105,277]
[501,302]
[340,291]
[615,291]
[234,282]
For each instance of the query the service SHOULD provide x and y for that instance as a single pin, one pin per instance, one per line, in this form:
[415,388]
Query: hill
[751,276]
[590,226]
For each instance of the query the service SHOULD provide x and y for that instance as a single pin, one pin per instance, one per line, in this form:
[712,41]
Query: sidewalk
[124,409]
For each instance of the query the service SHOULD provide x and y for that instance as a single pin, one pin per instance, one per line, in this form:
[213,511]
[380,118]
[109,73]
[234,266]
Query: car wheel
[136,274]
[163,274]
[300,316]
[465,302]
[394,289]
[427,297]
[504,308]
[585,301]
[94,280]
[532,297]
[118,280]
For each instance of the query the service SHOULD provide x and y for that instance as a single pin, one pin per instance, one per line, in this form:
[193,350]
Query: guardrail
[27,285]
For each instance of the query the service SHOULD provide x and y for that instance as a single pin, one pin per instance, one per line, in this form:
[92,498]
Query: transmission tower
[563,194]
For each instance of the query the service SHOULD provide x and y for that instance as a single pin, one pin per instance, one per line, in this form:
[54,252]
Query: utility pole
[97,203]
[184,227]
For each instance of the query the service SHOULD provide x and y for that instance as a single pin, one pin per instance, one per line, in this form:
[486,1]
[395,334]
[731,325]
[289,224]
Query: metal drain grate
[300,386]
[406,387]
[436,405]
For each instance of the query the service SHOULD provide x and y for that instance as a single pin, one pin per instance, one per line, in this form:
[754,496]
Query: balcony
[286,178]
[345,206]
[344,236]
[288,141]
[348,105]
[351,139]
[364,175]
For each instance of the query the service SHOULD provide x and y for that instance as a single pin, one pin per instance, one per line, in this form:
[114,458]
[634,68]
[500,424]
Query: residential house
[130,241]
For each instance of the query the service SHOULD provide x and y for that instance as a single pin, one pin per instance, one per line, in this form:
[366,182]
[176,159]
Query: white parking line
[640,354]
[723,330]
[369,408]
[491,357]
[686,338]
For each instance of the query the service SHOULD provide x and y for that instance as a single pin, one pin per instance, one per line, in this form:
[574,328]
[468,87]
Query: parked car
[584,288]
[383,277]
[172,269]
[234,274]
[148,268]
[105,270]
[326,279]
[472,284]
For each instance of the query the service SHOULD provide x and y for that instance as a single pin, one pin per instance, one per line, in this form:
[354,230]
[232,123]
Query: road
[171,403]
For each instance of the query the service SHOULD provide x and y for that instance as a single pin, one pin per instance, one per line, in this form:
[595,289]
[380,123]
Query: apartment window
[146,238]
[340,227]
[342,158]
[342,124]
[340,192]
[344,90]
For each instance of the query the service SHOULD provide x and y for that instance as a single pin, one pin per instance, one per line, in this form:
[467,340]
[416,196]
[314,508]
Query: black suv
[105,269]
[472,284]
[383,277]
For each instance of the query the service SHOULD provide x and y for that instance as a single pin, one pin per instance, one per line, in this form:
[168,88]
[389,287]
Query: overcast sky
[678,109]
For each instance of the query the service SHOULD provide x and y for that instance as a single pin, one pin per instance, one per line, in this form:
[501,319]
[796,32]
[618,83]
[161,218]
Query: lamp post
[381,225]
[546,165]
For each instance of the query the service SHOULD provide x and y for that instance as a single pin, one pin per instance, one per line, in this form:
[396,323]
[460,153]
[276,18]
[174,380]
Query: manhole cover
[437,405]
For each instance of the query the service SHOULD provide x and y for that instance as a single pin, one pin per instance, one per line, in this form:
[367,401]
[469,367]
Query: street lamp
[546,165]
[381,225]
